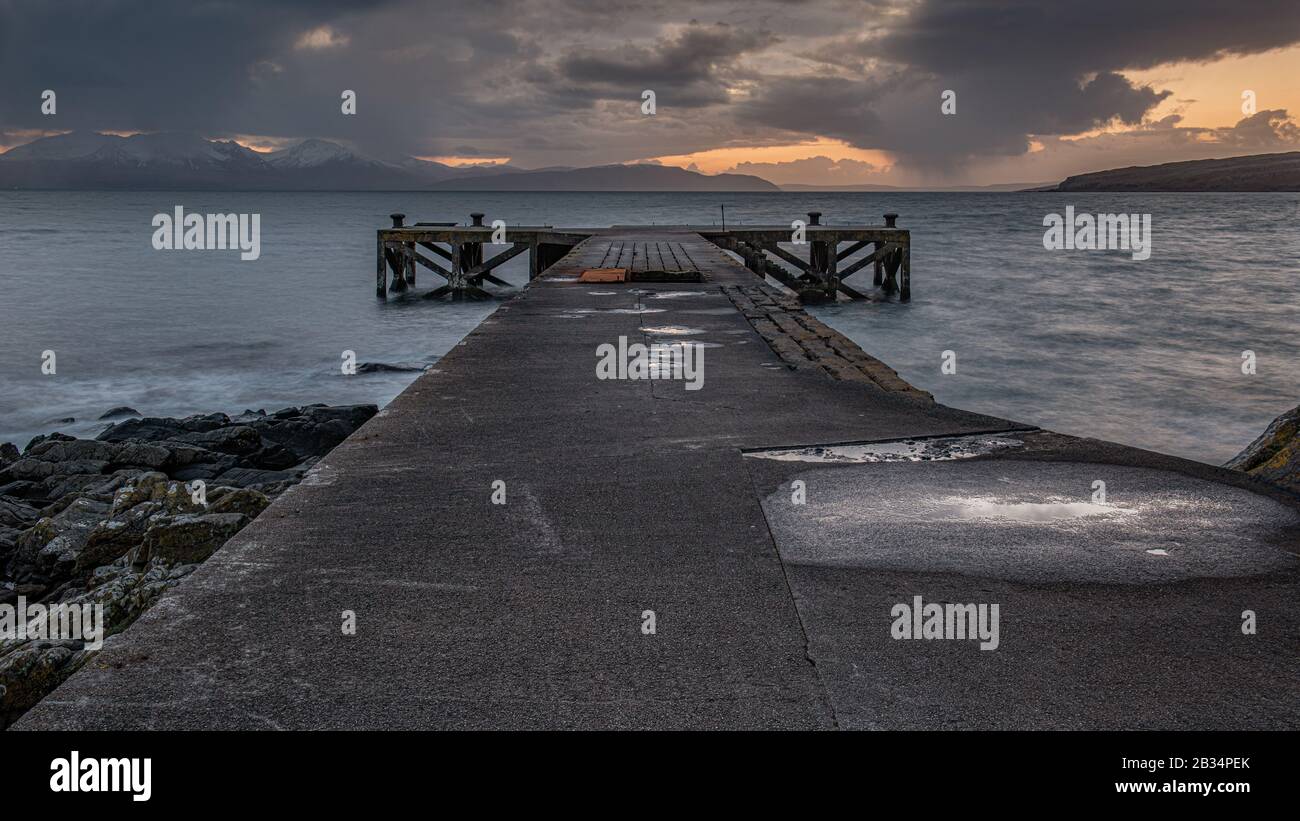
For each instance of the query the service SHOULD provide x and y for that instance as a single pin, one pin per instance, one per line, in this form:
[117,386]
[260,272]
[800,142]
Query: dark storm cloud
[689,69]
[1019,68]
[145,65]
[1098,35]
[559,81]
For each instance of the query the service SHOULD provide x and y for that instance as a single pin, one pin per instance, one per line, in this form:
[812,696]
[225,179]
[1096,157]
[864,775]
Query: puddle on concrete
[673,294]
[616,310]
[1028,521]
[603,293]
[991,507]
[910,450]
[672,330]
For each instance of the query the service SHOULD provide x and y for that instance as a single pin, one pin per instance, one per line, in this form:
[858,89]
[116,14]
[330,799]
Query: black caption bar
[138,772]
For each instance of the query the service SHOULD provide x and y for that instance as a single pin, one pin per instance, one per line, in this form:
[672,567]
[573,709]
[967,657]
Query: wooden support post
[397,261]
[410,263]
[832,263]
[457,281]
[533,270]
[381,272]
[891,271]
[906,293]
[879,278]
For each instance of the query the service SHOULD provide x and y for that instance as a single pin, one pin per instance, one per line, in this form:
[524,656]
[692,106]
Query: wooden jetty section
[460,263]
[822,275]
[830,255]
[650,564]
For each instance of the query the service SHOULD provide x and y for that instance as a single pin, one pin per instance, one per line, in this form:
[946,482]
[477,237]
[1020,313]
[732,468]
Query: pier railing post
[821,259]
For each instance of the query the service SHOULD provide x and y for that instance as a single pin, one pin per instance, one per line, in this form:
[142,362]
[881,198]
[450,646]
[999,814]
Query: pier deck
[626,496]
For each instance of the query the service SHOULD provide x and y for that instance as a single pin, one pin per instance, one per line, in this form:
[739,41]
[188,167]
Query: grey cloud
[549,81]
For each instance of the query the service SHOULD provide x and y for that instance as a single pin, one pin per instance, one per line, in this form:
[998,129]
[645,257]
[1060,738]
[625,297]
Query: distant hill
[609,178]
[1002,186]
[171,161]
[1260,172]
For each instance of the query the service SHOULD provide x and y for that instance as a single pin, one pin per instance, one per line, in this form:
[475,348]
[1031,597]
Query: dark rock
[61,491]
[8,545]
[316,430]
[112,520]
[14,513]
[151,429]
[119,412]
[32,670]
[46,437]
[383,367]
[237,500]
[48,550]
[34,470]
[23,490]
[274,457]
[1275,455]
[189,538]
[238,440]
[113,538]
[67,450]
[183,455]
[247,477]
[140,454]
[204,472]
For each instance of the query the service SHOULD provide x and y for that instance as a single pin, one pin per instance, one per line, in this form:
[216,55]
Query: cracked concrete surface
[624,496]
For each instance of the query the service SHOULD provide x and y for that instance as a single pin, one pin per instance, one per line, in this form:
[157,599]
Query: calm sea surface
[1089,343]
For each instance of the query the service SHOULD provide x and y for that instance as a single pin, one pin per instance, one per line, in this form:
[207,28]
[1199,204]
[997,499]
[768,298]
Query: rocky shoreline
[118,520]
[1275,456]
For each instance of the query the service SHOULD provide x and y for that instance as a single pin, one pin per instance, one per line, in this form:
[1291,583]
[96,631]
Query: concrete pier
[628,502]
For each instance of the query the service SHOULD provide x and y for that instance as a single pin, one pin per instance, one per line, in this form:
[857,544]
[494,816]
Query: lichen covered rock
[1275,455]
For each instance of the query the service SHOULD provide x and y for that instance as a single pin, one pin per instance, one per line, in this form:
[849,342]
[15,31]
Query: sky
[826,92]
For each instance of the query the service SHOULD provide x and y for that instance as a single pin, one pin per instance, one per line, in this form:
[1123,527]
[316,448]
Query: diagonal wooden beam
[881,253]
[437,249]
[851,250]
[855,294]
[432,266]
[487,265]
[787,256]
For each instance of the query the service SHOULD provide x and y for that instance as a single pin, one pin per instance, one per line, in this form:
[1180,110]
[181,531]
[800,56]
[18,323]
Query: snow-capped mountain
[166,148]
[173,160]
[314,153]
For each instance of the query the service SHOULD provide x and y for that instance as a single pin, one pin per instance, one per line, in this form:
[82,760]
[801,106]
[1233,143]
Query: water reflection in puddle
[911,450]
[616,310]
[672,330]
[990,507]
